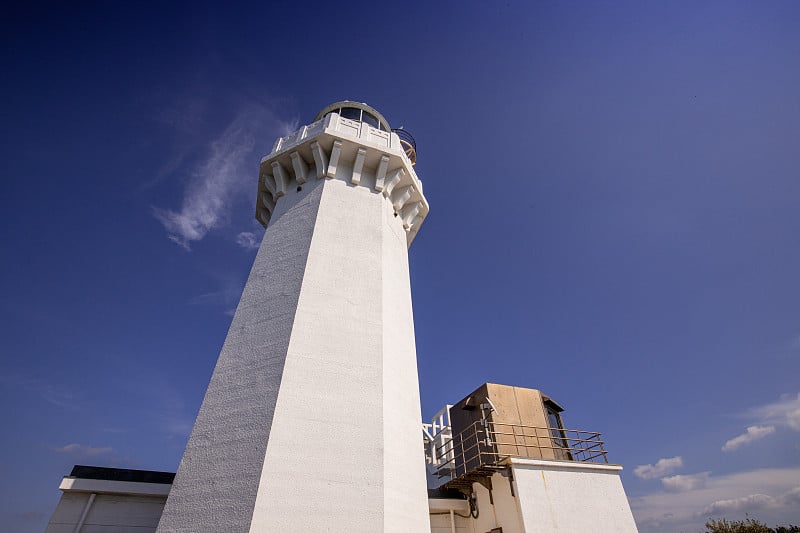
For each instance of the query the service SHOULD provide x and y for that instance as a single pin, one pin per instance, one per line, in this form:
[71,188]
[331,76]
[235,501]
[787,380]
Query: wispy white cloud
[186,117]
[661,468]
[209,192]
[772,492]
[752,434]
[169,411]
[784,412]
[80,449]
[161,407]
[227,296]
[227,170]
[248,240]
[682,483]
[49,392]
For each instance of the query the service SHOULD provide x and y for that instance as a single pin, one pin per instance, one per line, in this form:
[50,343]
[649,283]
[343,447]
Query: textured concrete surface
[405,484]
[311,419]
[348,408]
[216,483]
[328,414]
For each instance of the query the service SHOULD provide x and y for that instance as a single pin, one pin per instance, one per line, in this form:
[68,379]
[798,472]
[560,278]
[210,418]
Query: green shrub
[748,525]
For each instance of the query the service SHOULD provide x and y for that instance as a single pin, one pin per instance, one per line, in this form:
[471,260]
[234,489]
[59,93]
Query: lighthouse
[311,419]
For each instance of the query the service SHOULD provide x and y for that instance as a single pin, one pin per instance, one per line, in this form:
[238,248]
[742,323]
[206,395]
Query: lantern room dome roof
[356,111]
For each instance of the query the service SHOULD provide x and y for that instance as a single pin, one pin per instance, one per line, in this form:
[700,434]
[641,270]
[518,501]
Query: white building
[503,470]
[323,340]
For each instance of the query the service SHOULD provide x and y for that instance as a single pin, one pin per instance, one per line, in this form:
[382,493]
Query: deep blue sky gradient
[615,214]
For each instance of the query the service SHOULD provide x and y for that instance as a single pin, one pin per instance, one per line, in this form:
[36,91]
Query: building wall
[450,516]
[539,496]
[109,513]
[218,478]
[348,403]
[128,513]
[405,484]
[551,496]
[570,496]
[440,523]
[502,509]
[330,400]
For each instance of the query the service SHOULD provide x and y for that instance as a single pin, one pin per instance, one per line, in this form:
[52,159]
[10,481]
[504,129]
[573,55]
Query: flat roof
[121,474]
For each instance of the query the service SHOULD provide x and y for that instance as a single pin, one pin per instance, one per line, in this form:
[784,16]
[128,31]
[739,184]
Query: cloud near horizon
[681,483]
[225,172]
[80,449]
[751,502]
[752,434]
[688,501]
[661,468]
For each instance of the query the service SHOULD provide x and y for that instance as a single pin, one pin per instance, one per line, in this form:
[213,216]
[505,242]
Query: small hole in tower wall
[299,188]
[395,214]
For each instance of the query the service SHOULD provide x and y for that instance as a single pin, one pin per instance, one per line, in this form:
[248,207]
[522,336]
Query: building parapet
[335,147]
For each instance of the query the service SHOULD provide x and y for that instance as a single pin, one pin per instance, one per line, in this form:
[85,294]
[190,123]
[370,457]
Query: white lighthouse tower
[311,419]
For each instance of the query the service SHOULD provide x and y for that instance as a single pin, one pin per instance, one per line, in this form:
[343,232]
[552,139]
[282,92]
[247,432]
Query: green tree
[748,525]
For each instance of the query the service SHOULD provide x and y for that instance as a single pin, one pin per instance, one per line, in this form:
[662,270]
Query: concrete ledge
[562,465]
[448,504]
[102,486]
[349,150]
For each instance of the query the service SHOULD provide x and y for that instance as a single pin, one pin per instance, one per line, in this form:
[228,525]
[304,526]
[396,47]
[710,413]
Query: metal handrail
[408,143]
[485,444]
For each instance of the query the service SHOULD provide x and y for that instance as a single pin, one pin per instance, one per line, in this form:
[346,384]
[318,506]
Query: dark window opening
[369,119]
[351,113]
[556,428]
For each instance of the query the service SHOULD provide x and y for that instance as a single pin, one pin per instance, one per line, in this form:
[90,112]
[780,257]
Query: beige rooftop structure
[507,450]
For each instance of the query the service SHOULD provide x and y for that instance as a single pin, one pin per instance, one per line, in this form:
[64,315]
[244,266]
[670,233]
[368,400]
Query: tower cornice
[353,151]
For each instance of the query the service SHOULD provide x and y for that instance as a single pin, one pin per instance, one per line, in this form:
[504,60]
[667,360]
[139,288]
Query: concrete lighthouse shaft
[311,419]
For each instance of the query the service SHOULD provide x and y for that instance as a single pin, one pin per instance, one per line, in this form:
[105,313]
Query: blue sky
[615,219]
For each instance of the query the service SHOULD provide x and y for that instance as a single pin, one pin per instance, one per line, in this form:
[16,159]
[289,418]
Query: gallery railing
[485,444]
[408,143]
